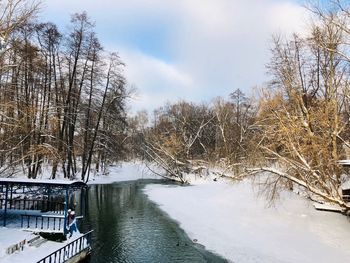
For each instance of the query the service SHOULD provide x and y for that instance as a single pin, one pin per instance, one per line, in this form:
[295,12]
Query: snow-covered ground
[10,237]
[29,253]
[231,220]
[126,171]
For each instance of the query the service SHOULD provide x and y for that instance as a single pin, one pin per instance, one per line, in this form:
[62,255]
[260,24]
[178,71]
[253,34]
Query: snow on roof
[344,162]
[328,207]
[27,181]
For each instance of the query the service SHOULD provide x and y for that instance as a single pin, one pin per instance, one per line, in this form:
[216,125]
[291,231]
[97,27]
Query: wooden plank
[328,208]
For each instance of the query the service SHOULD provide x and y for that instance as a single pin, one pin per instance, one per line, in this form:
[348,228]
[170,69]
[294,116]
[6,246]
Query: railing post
[81,200]
[69,250]
[6,196]
[65,212]
[11,195]
[48,203]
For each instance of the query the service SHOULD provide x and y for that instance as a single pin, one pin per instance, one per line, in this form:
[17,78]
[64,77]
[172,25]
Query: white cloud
[286,17]
[233,51]
[216,45]
[156,81]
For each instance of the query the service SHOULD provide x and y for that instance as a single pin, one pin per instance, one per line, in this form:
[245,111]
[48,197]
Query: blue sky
[186,49]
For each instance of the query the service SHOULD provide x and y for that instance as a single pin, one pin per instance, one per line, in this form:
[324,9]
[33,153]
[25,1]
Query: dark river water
[128,227]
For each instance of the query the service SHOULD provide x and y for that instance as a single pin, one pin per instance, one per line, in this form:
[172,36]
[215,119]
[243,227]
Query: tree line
[63,102]
[293,135]
[184,134]
[62,96]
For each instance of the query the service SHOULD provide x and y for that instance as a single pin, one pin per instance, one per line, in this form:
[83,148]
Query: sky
[192,50]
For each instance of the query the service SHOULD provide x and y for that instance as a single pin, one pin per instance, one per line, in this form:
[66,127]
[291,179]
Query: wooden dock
[328,208]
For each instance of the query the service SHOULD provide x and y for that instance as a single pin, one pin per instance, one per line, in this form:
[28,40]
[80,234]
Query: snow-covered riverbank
[231,220]
[126,171]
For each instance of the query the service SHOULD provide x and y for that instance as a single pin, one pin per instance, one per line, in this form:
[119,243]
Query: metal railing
[33,204]
[42,222]
[70,250]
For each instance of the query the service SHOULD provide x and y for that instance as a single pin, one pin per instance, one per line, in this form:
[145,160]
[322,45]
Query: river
[129,228]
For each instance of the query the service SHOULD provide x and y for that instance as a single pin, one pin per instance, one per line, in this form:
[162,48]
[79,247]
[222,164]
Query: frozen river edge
[232,221]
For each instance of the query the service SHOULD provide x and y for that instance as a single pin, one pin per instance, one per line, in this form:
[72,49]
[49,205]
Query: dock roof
[42,182]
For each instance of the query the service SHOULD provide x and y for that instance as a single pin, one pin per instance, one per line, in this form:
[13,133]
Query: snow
[328,207]
[11,237]
[33,253]
[344,162]
[38,181]
[233,221]
[126,171]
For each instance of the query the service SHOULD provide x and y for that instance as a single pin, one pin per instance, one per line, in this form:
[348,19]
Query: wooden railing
[42,222]
[70,250]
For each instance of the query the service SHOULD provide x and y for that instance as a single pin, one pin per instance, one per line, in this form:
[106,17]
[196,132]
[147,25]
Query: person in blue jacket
[72,224]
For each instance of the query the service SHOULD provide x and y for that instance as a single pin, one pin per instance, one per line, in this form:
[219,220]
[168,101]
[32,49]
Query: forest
[63,104]
[62,96]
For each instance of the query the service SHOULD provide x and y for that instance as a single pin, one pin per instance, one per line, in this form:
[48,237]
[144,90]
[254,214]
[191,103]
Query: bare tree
[235,119]
[13,15]
[59,103]
[302,118]
[182,132]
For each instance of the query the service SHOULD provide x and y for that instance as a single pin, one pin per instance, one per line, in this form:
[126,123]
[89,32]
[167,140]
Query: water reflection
[130,228]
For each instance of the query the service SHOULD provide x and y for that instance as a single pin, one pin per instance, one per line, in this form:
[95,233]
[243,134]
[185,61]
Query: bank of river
[128,227]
